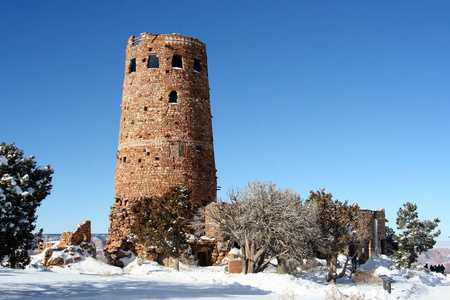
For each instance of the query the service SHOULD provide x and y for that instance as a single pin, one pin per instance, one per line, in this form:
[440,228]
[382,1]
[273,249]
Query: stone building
[165,136]
[371,229]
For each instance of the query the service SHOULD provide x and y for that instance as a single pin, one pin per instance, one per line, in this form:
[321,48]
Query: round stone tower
[165,137]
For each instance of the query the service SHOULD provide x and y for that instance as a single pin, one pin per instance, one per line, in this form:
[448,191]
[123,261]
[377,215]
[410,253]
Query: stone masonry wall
[371,227]
[73,246]
[82,233]
[165,136]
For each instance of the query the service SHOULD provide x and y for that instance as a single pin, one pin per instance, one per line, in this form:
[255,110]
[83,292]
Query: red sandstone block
[235,266]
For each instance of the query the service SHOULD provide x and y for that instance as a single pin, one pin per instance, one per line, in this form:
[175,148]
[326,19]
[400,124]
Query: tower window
[153,62]
[198,148]
[132,67]
[177,62]
[145,108]
[173,97]
[197,65]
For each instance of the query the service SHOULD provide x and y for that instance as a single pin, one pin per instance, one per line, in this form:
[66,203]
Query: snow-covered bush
[23,186]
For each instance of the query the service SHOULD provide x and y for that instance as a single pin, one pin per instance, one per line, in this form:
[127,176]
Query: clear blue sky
[350,96]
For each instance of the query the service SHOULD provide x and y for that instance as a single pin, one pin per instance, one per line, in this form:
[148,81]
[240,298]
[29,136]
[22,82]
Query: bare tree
[265,221]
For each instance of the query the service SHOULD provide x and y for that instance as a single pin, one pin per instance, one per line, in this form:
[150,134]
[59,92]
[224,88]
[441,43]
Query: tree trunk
[248,258]
[332,270]
[244,258]
[244,265]
[282,267]
[176,263]
[250,266]
[332,274]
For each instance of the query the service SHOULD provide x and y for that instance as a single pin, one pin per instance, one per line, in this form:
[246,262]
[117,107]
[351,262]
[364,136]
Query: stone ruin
[73,247]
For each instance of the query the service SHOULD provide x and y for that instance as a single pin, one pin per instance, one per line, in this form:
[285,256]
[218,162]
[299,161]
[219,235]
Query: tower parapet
[165,136]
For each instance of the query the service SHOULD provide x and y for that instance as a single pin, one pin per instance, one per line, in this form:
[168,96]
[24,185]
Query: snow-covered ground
[93,279]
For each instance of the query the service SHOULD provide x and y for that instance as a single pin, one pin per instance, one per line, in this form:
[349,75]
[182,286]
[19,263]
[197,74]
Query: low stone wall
[73,246]
[82,233]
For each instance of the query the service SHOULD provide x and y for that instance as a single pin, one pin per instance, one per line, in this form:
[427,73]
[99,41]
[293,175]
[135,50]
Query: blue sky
[350,96]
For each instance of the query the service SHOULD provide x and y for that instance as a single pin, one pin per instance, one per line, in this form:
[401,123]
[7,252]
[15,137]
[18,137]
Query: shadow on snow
[126,288]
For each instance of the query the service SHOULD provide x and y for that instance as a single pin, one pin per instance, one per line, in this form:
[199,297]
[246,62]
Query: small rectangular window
[145,108]
[153,62]
[197,65]
[132,67]
[198,148]
[177,62]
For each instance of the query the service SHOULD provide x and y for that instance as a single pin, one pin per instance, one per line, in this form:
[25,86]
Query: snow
[375,262]
[13,184]
[235,251]
[141,279]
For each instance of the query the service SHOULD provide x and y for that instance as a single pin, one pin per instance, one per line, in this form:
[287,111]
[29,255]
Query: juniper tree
[416,236]
[265,221]
[391,241]
[337,229]
[164,222]
[23,186]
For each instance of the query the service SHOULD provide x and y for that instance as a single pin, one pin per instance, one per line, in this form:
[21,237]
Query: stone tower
[165,134]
